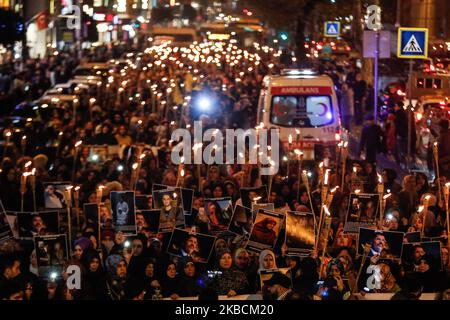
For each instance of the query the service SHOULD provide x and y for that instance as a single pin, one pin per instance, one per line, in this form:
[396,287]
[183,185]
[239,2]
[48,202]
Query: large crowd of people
[118,138]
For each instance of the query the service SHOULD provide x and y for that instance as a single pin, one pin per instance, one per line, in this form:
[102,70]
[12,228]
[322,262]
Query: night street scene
[228,150]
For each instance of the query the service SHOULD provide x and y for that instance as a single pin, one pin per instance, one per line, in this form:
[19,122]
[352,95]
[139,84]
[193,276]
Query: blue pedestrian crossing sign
[412,43]
[332,29]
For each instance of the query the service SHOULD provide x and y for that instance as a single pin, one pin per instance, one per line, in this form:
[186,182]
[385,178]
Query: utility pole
[398,17]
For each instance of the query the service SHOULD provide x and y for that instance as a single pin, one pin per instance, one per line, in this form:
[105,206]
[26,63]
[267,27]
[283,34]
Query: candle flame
[78,143]
[325,208]
[77,188]
[142,156]
[357,191]
[182,172]
[334,189]
[28,164]
[290,139]
[135,165]
[387,196]
[298,152]
[325,180]
[380,179]
[420,209]
[68,188]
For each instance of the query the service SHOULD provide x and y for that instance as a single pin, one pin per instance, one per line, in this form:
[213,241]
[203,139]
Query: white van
[303,104]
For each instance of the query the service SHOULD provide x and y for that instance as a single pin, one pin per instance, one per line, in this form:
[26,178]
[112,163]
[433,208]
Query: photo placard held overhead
[300,233]
[219,212]
[422,256]
[148,220]
[386,244]
[196,245]
[242,221]
[123,211]
[32,224]
[54,195]
[362,212]
[265,230]
[169,202]
[51,254]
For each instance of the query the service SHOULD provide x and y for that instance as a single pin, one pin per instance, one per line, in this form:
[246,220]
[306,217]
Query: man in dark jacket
[370,139]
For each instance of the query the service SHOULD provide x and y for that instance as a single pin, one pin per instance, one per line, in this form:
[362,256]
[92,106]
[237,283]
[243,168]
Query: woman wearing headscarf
[267,260]
[150,281]
[189,279]
[335,271]
[229,280]
[170,282]
[95,277]
[116,266]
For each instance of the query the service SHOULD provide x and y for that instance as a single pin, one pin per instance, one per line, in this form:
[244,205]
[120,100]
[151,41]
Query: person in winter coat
[189,279]
[370,139]
[229,280]
[347,106]
[95,276]
[116,266]
[391,136]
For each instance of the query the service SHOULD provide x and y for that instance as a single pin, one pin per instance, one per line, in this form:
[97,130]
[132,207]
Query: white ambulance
[304,107]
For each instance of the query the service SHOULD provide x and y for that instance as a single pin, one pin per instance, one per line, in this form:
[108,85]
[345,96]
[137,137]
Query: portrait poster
[413,253]
[196,245]
[219,212]
[242,221]
[187,196]
[54,194]
[300,233]
[123,212]
[265,230]
[32,224]
[362,212]
[169,202]
[386,244]
[51,254]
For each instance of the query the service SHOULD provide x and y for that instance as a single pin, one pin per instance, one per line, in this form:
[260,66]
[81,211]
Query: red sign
[297,90]
[304,144]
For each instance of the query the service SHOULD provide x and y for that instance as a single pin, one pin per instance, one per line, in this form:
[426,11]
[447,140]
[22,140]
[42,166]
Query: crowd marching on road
[81,149]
